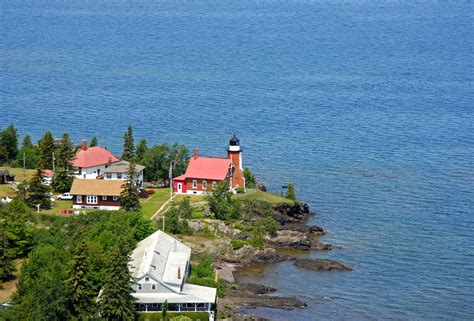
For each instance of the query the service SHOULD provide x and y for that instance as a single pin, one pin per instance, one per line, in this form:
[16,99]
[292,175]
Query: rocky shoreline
[293,234]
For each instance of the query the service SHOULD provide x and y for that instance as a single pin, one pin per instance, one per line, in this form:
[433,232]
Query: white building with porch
[160,267]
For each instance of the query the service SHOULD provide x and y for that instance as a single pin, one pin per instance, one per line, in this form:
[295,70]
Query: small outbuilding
[6,176]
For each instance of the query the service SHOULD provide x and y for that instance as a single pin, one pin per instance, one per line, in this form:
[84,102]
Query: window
[153,286]
[108,175]
[79,198]
[119,175]
[91,199]
[84,176]
[104,198]
[214,184]
[115,198]
[195,183]
[139,286]
[147,279]
[204,184]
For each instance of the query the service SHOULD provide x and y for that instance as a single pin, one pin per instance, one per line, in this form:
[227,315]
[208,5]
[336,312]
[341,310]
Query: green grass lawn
[57,206]
[192,198]
[253,194]
[19,176]
[5,190]
[157,316]
[151,204]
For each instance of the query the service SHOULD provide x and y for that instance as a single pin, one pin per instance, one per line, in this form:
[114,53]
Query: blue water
[367,106]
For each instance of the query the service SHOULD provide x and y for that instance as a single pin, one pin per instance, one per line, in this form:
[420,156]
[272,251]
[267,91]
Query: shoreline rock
[321,265]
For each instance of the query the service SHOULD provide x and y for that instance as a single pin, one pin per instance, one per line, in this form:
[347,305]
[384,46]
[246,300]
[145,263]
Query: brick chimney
[84,144]
[196,153]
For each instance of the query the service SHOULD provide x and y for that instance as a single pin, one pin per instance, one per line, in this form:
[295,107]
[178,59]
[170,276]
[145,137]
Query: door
[180,188]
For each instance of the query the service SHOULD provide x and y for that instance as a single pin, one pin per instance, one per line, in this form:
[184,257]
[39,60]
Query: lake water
[367,106]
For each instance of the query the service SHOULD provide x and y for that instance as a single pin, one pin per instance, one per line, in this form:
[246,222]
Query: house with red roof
[91,162]
[205,173]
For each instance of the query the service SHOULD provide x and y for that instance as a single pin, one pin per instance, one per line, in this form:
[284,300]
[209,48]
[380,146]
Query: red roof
[207,168]
[93,156]
[48,173]
[180,178]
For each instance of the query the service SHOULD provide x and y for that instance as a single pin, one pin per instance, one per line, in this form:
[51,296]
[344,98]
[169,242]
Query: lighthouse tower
[234,153]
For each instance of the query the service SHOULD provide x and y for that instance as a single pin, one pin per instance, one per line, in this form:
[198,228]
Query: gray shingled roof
[122,167]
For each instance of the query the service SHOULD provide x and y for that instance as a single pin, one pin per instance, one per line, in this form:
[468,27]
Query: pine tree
[7,258]
[141,150]
[46,149]
[94,142]
[291,194]
[129,198]
[115,301]
[66,152]
[62,180]
[128,145]
[26,142]
[82,291]
[38,193]
[9,142]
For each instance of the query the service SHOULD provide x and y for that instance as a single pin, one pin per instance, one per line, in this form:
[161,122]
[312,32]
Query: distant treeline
[157,158]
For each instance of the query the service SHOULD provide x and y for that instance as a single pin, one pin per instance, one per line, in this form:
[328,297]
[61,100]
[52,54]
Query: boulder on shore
[291,213]
[295,240]
[322,265]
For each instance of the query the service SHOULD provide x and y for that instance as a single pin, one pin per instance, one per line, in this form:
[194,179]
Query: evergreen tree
[141,150]
[15,230]
[115,301]
[66,152]
[26,142]
[62,180]
[291,194]
[9,143]
[46,149]
[250,180]
[7,258]
[128,145]
[82,292]
[38,193]
[129,199]
[94,142]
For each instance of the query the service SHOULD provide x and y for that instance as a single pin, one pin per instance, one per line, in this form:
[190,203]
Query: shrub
[237,244]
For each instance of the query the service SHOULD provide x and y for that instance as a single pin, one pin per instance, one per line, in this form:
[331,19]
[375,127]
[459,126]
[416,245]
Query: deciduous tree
[141,150]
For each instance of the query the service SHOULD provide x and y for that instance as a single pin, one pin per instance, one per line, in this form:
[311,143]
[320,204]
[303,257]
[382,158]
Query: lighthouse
[234,153]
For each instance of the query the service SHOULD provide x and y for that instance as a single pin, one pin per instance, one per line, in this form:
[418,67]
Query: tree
[66,152]
[141,150]
[164,309]
[179,155]
[94,142]
[82,292]
[129,199]
[28,156]
[7,258]
[46,149]
[184,208]
[115,301]
[250,180]
[26,142]
[16,232]
[222,204]
[9,143]
[128,145]
[158,158]
[38,193]
[172,221]
[291,194]
[63,178]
